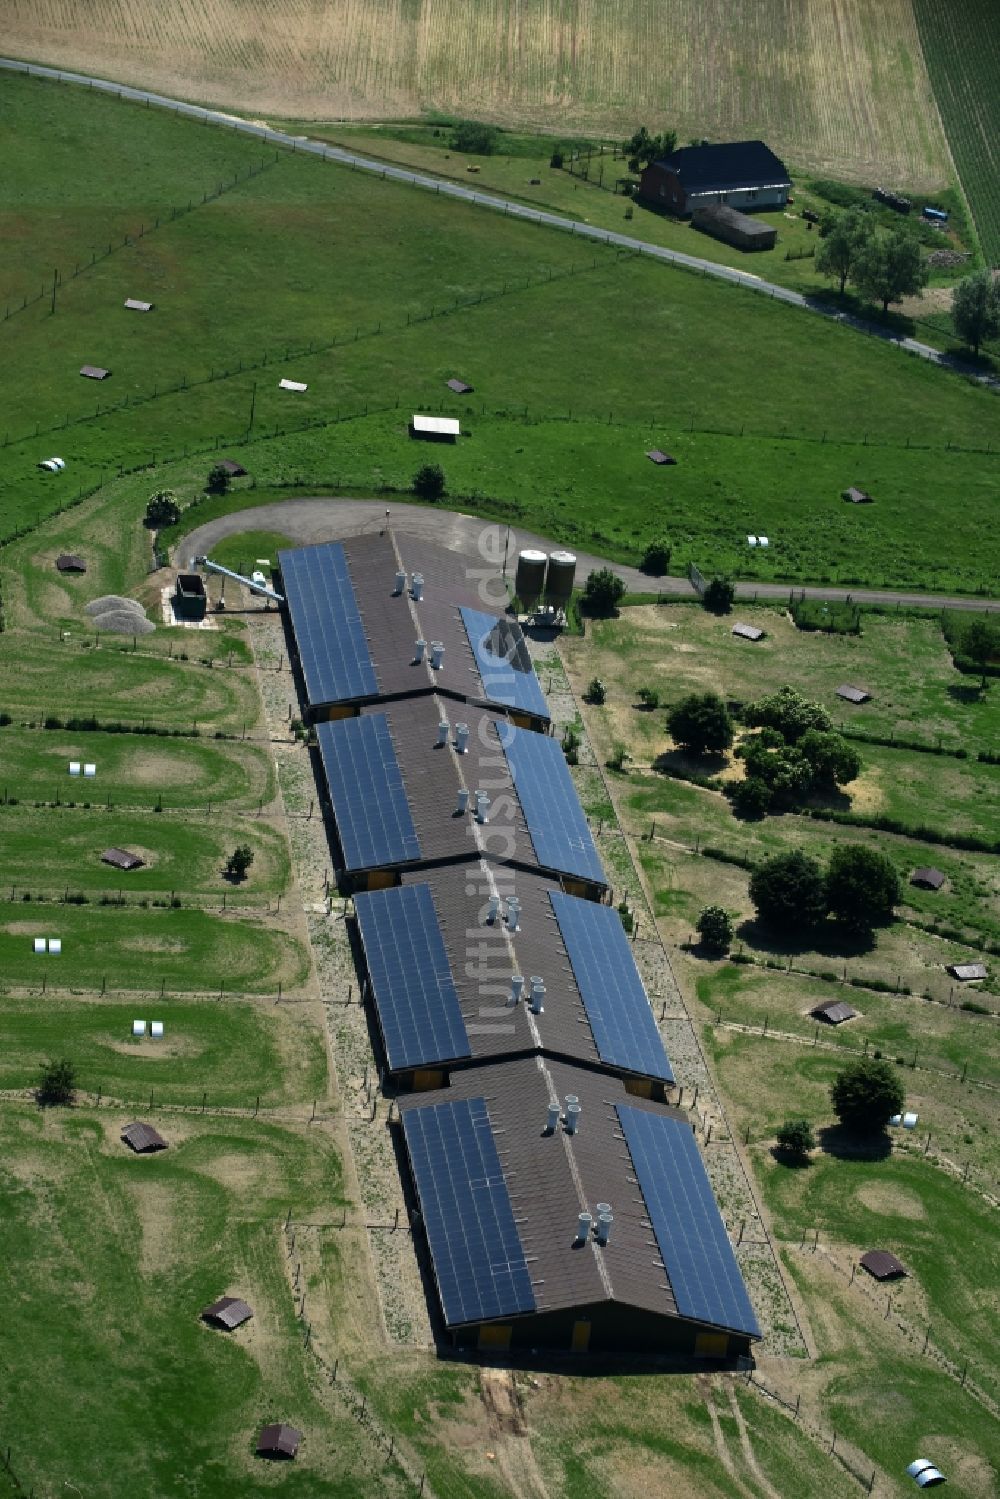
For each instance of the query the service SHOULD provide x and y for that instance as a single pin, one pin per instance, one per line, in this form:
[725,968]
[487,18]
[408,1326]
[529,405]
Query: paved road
[305,521]
[509,208]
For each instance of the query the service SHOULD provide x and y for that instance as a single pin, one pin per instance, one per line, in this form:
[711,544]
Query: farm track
[305,521]
[509,208]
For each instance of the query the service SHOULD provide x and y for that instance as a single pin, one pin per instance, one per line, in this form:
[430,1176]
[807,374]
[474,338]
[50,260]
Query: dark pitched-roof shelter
[657,456]
[734,228]
[563,1213]
[228,1312]
[967,971]
[69,562]
[143,1138]
[446,951]
[743,174]
[94,372]
[278,1441]
[853,694]
[428,781]
[882,1264]
[927,877]
[386,616]
[834,1012]
[121,858]
[748,632]
[233,469]
[855,496]
[460,388]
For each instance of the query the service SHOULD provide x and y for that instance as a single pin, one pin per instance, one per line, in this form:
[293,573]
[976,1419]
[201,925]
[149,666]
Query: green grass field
[572,344]
[77,679]
[897,1203]
[130,1249]
[136,771]
[962,51]
[50,849]
[141,950]
[232,1052]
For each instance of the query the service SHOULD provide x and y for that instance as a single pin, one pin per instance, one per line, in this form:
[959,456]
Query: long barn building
[557,1187]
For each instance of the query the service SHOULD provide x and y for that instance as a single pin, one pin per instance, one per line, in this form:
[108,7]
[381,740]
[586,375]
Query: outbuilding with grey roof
[563,1213]
[143,1138]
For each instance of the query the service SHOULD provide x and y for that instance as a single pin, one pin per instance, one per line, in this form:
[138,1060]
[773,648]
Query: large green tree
[788,892]
[641,148]
[862,887]
[981,643]
[700,723]
[866,1095]
[842,239]
[890,267]
[834,762]
[975,309]
[789,712]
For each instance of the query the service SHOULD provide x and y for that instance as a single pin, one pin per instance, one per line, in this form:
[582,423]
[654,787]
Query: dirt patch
[866,794]
[238,1169]
[893,1201]
[152,768]
[154,944]
[156,1223]
[158,1051]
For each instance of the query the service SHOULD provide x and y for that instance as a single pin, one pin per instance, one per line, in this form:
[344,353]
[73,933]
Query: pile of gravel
[119,616]
[114,601]
[123,622]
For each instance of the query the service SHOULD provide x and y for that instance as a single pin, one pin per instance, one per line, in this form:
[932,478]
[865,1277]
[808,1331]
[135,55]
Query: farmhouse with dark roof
[742,174]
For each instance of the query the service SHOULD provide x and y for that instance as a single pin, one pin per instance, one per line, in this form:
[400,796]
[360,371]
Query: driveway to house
[506,206]
[306,521]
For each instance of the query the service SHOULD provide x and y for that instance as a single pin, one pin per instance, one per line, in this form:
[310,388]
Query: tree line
[885,265]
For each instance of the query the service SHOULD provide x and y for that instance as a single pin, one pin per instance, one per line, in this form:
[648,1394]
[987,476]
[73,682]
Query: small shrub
[649,697]
[718,596]
[795,1138]
[56,1082]
[596,692]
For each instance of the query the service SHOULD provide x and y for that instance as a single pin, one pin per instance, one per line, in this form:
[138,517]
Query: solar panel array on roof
[686,1222]
[417,1002]
[478,1258]
[504,662]
[336,662]
[552,810]
[612,991]
[369,798]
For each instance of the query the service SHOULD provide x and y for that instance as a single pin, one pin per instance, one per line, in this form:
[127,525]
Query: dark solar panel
[333,649]
[367,791]
[417,1003]
[478,1257]
[608,980]
[504,662]
[686,1221]
[558,828]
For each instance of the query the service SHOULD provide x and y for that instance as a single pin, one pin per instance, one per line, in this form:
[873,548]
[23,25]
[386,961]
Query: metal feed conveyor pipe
[227,572]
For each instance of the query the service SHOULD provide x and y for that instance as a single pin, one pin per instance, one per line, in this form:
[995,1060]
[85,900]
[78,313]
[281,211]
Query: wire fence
[50,292]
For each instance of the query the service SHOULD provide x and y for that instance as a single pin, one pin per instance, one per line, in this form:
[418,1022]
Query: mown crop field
[961,43]
[841,87]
